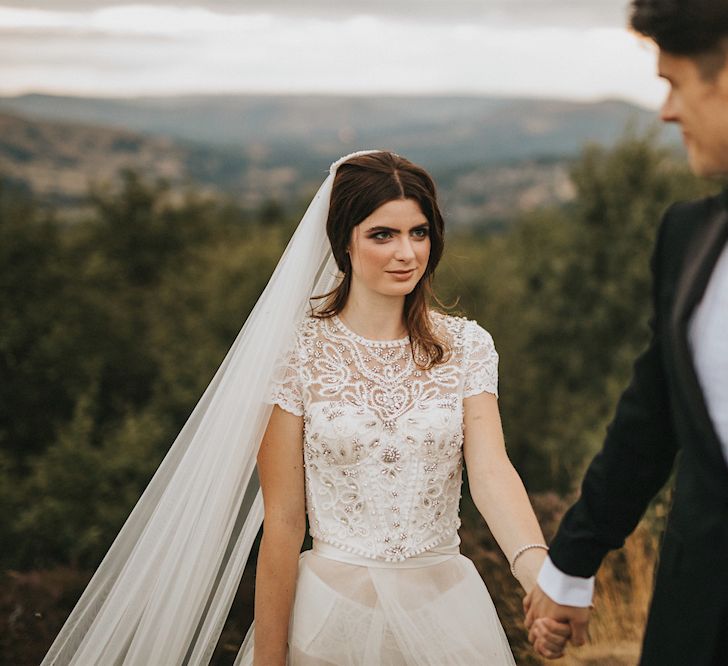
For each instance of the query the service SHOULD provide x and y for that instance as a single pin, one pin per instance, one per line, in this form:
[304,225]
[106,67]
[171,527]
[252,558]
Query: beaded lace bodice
[382,437]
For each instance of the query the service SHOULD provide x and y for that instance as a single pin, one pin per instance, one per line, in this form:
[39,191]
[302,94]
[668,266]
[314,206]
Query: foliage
[113,325]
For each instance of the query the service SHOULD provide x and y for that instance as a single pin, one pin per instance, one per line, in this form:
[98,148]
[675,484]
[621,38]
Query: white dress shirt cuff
[564,589]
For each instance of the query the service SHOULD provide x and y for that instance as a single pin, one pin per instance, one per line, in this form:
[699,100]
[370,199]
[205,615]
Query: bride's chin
[402,290]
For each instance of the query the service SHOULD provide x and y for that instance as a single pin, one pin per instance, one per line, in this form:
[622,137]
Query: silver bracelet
[522,550]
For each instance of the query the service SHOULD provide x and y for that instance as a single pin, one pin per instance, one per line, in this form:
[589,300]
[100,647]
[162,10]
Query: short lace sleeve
[481,362]
[285,389]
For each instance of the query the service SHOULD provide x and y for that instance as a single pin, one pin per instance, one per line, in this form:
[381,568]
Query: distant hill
[490,156]
[59,160]
[439,131]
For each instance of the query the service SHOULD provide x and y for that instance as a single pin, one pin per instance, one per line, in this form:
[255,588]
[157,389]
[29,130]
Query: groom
[678,397]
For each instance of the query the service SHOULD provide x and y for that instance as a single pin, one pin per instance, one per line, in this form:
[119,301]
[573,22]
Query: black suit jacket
[662,412]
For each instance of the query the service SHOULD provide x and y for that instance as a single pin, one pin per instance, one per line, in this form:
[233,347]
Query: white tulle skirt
[432,609]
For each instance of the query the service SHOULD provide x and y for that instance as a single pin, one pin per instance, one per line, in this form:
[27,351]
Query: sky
[573,49]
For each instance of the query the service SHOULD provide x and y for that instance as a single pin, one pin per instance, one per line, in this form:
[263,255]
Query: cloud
[157,50]
[525,13]
[129,20]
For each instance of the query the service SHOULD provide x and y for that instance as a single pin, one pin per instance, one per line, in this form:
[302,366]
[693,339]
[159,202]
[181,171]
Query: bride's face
[389,250]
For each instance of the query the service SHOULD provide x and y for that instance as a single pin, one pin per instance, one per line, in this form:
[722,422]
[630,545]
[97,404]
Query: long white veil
[163,591]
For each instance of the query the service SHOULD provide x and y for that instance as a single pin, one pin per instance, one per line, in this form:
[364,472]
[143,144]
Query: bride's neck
[378,318]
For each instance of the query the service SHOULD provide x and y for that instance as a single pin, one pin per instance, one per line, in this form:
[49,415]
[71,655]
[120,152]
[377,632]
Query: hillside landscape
[491,157]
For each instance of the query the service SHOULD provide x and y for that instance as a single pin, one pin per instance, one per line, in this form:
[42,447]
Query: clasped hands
[550,625]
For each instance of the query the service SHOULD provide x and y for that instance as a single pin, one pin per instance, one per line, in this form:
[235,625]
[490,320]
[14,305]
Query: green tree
[38,333]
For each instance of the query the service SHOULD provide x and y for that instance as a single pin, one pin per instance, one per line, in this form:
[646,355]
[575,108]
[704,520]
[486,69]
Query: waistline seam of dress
[436,555]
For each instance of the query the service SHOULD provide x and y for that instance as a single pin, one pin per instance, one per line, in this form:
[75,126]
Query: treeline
[113,324]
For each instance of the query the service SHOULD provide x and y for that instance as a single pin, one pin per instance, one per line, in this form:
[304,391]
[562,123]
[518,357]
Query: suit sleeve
[633,464]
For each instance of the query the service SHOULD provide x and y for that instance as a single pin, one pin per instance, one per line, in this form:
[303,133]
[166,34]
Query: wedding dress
[385,583]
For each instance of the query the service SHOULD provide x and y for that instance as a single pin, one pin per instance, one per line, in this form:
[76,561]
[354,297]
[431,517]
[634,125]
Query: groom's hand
[538,605]
[549,637]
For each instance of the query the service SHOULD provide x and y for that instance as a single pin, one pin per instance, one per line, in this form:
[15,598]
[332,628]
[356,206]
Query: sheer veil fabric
[163,591]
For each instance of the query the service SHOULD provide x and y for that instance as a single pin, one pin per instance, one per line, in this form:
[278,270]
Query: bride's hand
[549,637]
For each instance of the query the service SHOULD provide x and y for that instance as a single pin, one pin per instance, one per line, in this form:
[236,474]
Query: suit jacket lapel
[699,263]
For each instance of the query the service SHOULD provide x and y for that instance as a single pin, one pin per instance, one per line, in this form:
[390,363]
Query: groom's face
[699,104]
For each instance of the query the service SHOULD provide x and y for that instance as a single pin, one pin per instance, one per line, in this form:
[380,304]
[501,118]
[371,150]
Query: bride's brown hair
[361,185]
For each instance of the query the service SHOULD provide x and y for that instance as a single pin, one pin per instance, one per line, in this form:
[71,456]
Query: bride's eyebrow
[391,230]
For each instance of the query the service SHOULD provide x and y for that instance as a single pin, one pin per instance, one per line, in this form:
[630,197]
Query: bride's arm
[280,468]
[497,489]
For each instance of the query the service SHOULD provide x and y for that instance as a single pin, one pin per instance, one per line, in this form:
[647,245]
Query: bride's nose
[404,251]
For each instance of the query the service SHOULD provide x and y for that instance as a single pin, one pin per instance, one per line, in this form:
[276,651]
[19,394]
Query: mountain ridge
[480,128]
[489,156]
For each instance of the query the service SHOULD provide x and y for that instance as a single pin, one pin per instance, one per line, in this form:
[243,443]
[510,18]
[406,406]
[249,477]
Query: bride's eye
[421,232]
[381,235]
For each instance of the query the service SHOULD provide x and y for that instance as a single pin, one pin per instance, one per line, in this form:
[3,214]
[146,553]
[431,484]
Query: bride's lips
[402,275]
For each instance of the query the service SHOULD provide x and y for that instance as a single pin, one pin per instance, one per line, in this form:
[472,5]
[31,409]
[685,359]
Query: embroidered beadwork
[382,437]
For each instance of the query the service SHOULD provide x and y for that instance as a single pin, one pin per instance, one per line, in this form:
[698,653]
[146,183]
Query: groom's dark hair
[695,28]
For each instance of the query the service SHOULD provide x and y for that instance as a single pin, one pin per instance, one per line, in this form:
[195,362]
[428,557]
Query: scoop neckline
[399,342]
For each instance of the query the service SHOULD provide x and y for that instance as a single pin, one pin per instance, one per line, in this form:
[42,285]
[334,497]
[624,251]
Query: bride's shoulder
[300,345]
[310,330]
[307,329]
[308,323]
[457,330]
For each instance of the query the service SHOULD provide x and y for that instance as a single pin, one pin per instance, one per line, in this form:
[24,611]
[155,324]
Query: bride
[375,403]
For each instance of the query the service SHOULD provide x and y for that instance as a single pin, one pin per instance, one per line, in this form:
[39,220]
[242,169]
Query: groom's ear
[713,62]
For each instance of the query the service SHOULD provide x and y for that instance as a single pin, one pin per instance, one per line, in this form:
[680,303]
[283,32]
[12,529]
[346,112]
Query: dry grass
[623,592]
[33,606]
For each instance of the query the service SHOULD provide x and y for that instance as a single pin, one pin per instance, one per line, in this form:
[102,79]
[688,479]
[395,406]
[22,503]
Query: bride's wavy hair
[361,185]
